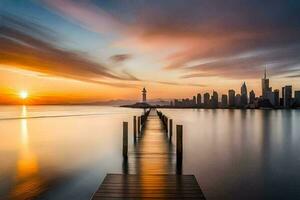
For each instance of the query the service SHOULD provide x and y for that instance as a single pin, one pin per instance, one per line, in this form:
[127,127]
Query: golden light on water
[27,175]
[23,94]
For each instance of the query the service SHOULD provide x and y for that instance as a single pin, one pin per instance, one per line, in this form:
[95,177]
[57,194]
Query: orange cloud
[21,49]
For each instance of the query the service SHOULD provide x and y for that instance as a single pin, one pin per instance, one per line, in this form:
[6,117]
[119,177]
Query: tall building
[237,100]
[198,99]
[214,100]
[251,97]
[206,97]
[297,98]
[194,100]
[244,95]
[144,94]
[271,97]
[287,96]
[231,98]
[224,100]
[276,98]
[265,85]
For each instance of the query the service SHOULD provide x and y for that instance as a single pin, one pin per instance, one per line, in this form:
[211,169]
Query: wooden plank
[152,153]
[120,186]
[150,170]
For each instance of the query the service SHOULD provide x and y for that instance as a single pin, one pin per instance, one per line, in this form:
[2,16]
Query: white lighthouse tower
[144,94]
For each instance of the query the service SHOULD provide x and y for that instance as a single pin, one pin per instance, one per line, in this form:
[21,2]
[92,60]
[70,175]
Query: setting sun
[23,94]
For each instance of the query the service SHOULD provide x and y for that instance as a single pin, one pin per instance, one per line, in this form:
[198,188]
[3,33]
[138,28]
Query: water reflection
[153,153]
[234,154]
[59,157]
[28,181]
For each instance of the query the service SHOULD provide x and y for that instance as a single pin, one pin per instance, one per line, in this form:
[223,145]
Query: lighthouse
[144,95]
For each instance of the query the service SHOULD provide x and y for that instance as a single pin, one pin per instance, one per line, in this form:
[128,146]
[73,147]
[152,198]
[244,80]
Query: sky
[81,51]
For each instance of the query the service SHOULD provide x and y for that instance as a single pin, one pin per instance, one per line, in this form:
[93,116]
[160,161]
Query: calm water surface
[64,152]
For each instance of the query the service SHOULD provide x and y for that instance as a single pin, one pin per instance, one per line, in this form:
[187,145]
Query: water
[59,152]
[64,152]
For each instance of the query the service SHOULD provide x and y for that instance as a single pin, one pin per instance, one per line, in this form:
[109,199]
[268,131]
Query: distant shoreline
[193,107]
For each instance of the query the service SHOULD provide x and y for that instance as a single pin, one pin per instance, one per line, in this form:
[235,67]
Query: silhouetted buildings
[268,99]
[287,96]
[272,99]
[297,98]
[265,88]
[251,97]
[231,98]
[237,101]
[244,95]
[224,101]
[198,99]
[276,98]
[185,103]
[214,100]
[206,98]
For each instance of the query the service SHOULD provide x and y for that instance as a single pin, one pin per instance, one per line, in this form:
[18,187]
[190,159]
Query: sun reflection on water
[28,181]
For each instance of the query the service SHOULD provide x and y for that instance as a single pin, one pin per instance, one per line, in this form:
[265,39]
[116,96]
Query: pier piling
[166,124]
[134,128]
[125,139]
[139,124]
[170,129]
[179,146]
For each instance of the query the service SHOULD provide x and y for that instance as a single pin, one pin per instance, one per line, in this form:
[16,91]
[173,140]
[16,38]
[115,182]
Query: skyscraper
[251,97]
[214,100]
[194,100]
[231,97]
[198,99]
[265,85]
[206,97]
[244,95]
[287,96]
[276,98]
[297,98]
[144,94]
[237,100]
[270,97]
[224,100]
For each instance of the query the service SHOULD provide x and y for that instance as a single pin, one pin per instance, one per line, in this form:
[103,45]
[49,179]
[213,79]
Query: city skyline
[269,98]
[65,51]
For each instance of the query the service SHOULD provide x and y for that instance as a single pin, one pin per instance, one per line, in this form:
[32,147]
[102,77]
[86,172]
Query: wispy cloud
[197,30]
[119,58]
[22,47]
[87,14]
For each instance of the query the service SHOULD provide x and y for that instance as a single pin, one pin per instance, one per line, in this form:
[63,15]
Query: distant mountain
[120,102]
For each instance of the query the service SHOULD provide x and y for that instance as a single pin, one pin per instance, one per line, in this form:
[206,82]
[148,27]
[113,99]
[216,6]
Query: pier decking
[150,170]
[152,153]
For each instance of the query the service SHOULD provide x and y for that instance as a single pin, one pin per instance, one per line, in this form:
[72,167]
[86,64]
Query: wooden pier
[152,169]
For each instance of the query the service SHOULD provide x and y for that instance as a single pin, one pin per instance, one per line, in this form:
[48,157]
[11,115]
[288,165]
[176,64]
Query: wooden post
[143,120]
[125,139]
[134,128]
[166,123]
[139,124]
[170,129]
[179,142]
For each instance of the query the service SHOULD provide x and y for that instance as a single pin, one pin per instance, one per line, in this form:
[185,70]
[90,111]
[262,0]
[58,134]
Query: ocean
[64,152]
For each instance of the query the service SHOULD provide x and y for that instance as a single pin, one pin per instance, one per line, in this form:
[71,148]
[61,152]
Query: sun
[23,94]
